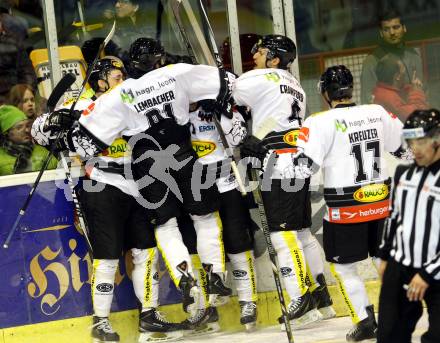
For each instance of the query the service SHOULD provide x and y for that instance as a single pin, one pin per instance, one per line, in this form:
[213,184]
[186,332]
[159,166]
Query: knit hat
[9,116]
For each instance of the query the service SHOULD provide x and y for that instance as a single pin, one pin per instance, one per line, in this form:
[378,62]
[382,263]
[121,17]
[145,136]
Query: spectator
[391,91]
[130,25]
[15,65]
[22,96]
[17,152]
[392,30]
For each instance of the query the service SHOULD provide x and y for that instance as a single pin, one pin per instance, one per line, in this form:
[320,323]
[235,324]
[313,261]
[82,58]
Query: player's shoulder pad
[316,114]
[257,72]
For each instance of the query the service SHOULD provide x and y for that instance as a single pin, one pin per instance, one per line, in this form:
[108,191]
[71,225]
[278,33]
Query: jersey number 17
[358,151]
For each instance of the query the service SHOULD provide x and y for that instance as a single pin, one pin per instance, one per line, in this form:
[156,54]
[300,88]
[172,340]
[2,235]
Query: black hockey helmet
[422,123]
[337,81]
[103,68]
[144,53]
[279,46]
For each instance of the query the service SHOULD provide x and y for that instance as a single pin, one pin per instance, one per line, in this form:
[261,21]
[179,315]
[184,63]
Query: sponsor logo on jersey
[285,271]
[203,148]
[205,128]
[291,137]
[274,77]
[304,134]
[340,125]
[127,95]
[104,287]
[371,193]
[360,213]
[118,148]
[239,273]
[89,109]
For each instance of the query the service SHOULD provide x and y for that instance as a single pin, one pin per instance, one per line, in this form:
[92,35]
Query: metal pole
[234,35]
[50,28]
[278,17]
[289,21]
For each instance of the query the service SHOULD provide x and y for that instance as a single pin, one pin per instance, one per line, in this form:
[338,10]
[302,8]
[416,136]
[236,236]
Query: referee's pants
[397,315]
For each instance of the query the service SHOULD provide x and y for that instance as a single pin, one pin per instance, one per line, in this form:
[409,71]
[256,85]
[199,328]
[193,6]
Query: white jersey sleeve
[314,140]
[392,132]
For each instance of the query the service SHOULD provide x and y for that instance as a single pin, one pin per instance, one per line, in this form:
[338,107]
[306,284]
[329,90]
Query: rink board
[45,293]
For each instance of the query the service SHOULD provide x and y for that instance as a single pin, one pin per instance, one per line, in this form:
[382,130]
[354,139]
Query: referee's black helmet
[422,123]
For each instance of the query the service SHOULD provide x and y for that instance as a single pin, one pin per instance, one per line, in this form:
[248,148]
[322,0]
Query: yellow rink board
[77,330]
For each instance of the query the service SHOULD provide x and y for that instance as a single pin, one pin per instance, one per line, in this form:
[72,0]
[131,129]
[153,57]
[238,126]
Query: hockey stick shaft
[218,61]
[58,91]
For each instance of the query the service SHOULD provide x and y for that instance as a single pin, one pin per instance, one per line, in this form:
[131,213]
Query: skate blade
[169,336]
[204,329]
[250,327]
[216,300]
[305,321]
[327,312]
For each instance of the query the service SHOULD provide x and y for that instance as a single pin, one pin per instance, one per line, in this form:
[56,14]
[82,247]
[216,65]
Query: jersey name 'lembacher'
[363,135]
[155,101]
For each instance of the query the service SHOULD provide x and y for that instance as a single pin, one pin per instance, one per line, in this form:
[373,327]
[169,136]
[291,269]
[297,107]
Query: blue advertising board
[46,270]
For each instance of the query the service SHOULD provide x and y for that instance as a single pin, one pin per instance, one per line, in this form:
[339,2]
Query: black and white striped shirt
[412,233]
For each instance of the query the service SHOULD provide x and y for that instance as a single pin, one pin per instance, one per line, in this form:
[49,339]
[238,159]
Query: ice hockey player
[272,93]
[116,222]
[234,212]
[348,143]
[154,110]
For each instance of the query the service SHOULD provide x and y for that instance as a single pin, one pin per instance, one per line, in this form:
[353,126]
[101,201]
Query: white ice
[329,331]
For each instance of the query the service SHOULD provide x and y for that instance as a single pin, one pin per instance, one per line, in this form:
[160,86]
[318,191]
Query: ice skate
[322,299]
[102,331]
[190,292]
[248,315]
[366,329]
[218,293]
[302,312]
[153,327]
[205,321]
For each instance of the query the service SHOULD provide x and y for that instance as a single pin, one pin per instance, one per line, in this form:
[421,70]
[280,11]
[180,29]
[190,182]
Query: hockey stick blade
[59,90]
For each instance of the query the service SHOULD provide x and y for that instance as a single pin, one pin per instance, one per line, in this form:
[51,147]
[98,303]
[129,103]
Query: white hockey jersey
[207,143]
[349,143]
[138,105]
[273,94]
[113,157]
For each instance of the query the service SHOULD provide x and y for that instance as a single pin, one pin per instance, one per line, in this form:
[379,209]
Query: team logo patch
[203,148]
[304,134]
[104,287]
[340,125]
[239,273]
[291,137]
[371,193]
[127,96]
[285,271]
[156,276]
[89,109]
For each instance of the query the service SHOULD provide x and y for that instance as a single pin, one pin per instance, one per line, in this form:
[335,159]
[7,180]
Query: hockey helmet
[279,46]
[144,53]
[103,68]
[422,123]
[337,81]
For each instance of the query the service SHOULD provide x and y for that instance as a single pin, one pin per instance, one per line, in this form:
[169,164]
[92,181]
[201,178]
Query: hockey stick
[76,201]
[175,8]
[264,129]
[56,94]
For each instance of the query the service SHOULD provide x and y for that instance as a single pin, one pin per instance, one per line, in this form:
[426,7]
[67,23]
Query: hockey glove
[216,108]
[253,147]
[61,120]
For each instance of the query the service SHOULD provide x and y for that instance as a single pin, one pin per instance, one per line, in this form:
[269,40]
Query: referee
[410,249]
